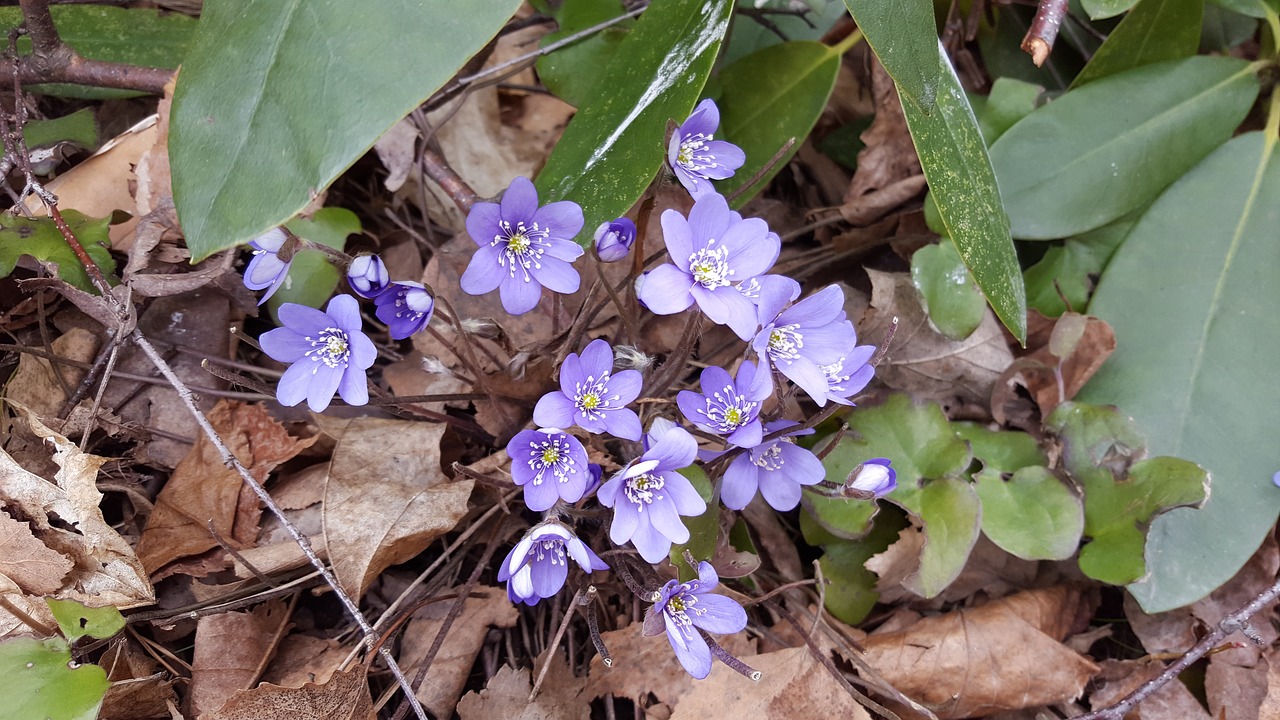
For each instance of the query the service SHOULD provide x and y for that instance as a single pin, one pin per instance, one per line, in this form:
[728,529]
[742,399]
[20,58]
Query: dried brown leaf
[231,649]
[27,562]
[137,691]
[506,696]
[1270,706]
[793,684]
[1035,371]
[1118,678]
[344,697]
[889,155]
[301,659]
[35,384]
[643,665]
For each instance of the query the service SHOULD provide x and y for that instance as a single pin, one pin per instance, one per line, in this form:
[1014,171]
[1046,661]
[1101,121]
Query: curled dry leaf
[643,665]
[506,696]
[231,650]
[793,684]
[1094,341]
[34,568]
[386,498]
[35,383]
[889,154]
[344,697]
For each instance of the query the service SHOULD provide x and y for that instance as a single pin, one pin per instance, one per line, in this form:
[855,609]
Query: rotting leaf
[344,697]
[26,561]
[792,679]
[230,650]
[506,695]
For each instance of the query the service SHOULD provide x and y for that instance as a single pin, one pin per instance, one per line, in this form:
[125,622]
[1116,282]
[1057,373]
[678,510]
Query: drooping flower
[711,252]
[649,496]
[367,275]
[328,351]
[266,269]
[550,465]
[778,467]
[697,157]
[729,406]
[405,307]
[847,376]
[614,239]
[538,565]
[592,396]
[872,479]
[802,338]
[687,607]
[523,247]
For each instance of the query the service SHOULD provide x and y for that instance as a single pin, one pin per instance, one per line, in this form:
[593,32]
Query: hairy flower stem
[578,599]
[679,357]
[623,312]
[728,658]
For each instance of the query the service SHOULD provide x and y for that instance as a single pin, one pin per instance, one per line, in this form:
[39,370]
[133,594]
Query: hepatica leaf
[40,238]
[952,299]
[39,680]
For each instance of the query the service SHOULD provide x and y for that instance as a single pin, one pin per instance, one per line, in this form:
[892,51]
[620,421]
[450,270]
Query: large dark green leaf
[769,97]
[904,36]
[612,148]
[1152,32]
[1192,297]
[964,188]
[1111,146]
[277,98]
[571,72]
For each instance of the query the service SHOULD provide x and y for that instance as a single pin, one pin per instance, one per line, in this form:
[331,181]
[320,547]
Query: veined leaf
[904,36]
[40,238]
[1152,32]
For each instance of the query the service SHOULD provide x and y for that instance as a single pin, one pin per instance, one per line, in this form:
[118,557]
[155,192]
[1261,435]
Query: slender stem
[848,43]
[1039,39]
[1273,110]
[52,60]
[434,164]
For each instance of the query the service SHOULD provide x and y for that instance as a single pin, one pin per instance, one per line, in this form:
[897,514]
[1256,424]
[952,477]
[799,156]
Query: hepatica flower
[687,607]
[367,275]
[550,465]
[614,239]
[405,307]
[729,406]
[266,269]
[872,479]
[538,565]
[697,157]
[592,396]
[804,337]
[847,376]
[778,467]
[328,352]
[649,496]
[523,247]
[711,252]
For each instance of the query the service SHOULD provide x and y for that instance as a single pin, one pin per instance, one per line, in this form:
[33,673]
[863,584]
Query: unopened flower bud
[614,239]
[872,479]
[367,275]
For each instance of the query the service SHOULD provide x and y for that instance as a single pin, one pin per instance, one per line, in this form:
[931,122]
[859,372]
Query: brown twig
[1044,30]
[451,182]
[52,60]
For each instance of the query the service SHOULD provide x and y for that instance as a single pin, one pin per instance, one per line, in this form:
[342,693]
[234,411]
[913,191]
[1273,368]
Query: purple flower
[550,464]
[728,406]
[649,496]
[405,307]
[614,239]
[591,396]
[1275,479]
[696,157]
[710,251]
[266,269]
[687,607]
[595,476]
[367,275]
[328,352]
[804,337]
[872,479]
[777,467]
[847,376]
[538,565]
[523,247]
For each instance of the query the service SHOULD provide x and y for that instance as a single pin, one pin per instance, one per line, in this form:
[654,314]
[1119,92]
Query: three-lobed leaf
[39,680]
[947,290]
[41,239]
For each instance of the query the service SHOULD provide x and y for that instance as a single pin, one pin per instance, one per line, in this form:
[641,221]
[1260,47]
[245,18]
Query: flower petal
[808,376]
[520,201]
[561,220]
[626,385]
[623,423]
[704,119]
[664,518]
[284,345]
[346,311]
[482,222]
[539,496]
[652,545]
[714,380]
[687,500]
[293,385]
[323,384]
[719,614]
[747,436]
[709,220]
[626,520]
[775,292]
[692,652]
[483,273]
[519,296]
[556,275]
[729,158]
[596,359]
[554,410]
[354,387]
[818,309]
[752,248]
[549,577]
[566,250]
[665,290]
[674,450]
[740,483]
[363,351]
[303,319]
[678,237]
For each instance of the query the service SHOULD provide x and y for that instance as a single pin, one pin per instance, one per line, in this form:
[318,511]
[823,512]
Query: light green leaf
[75,620]
[1252,8]
[769,97]
[851,593]
[1072,266]
[964,188]
[947,290]
[1010,100]
[1117,142]
[1099,9]
[609,153]
[1195,359]
[904,36]
[312,277]
[1000,451]
[39,680]
[1223,29]
[571,72]
[276,99]
[40,238]
[79,127]
[951,514]
[1152,32]
[1032,515]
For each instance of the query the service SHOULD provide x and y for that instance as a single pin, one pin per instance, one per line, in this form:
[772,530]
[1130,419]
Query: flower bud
[614,239]
[367,275]
[872,479]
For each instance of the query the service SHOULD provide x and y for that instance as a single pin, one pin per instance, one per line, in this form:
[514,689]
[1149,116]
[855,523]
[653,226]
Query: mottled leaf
[904,37]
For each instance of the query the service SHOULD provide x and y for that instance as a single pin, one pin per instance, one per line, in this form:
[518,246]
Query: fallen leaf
[35,383]
[231,650]
[1270,707]
[387,497]
[138,691]
[643,665]
[506,696]
[397,149]
[344,697]
[793,684]
[1035,371]
[34,568]
[1118,678]
[154,186]
[301,659]
[889,154]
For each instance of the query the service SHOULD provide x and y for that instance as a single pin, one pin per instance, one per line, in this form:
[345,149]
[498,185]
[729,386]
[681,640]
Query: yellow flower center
[518,243]
[590,401]
[676,604]
[551,455]
[732,416]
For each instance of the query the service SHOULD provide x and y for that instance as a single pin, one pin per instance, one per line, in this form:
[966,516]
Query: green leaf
[1095,436]
[951,514]
[1010,100]
[769,97]
[1000,451]
[1194,362]
[1252,8]
[39,680]
[947,290]
[79,127]
[963,185]
[1117,142]
[75,620]
[1152,32]
[1099,9]
[904,36]
[312,278]
[133,36]
[614,145]
[571,72]
[851,593]
[1223,29]
[748,34]
[1073,266]
[704,529]
[40,238]
[273,104]
[1032,515]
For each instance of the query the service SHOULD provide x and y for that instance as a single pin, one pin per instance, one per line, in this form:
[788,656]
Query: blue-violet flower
[728,406]
[696,157]
[266,269]
[405,307]
[523,247]
[872,479]
[550,465]
[538,565]
[804,337]
[328,351]
[367,275]
[778,467]
[847,376]
[592,396]
[687,607]
[614,239]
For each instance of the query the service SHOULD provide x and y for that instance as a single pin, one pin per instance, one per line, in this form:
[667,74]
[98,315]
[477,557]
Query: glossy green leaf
[769,97]
[951,515]
[1117,142]
[1009,101]
[947,290]
[1032,515]
[38,680]
[748,34]
[1252,8]
[1192,298]
[851,590]
[1223,29]
[40,238]
[1152,32]
[75,620]
[571,72]
[1071,269]
[964,188]
[904,36]
[609,153]
[133,36]
[276,99]
[312,277]
[704,529]
[78,127]
[1099,9]
[1001,52]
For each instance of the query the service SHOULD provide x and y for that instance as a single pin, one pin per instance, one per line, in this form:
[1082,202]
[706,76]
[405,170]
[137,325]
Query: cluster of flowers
[720,262]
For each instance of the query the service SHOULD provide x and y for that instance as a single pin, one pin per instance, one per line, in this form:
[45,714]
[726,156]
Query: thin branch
[52,60]
[1044,30]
